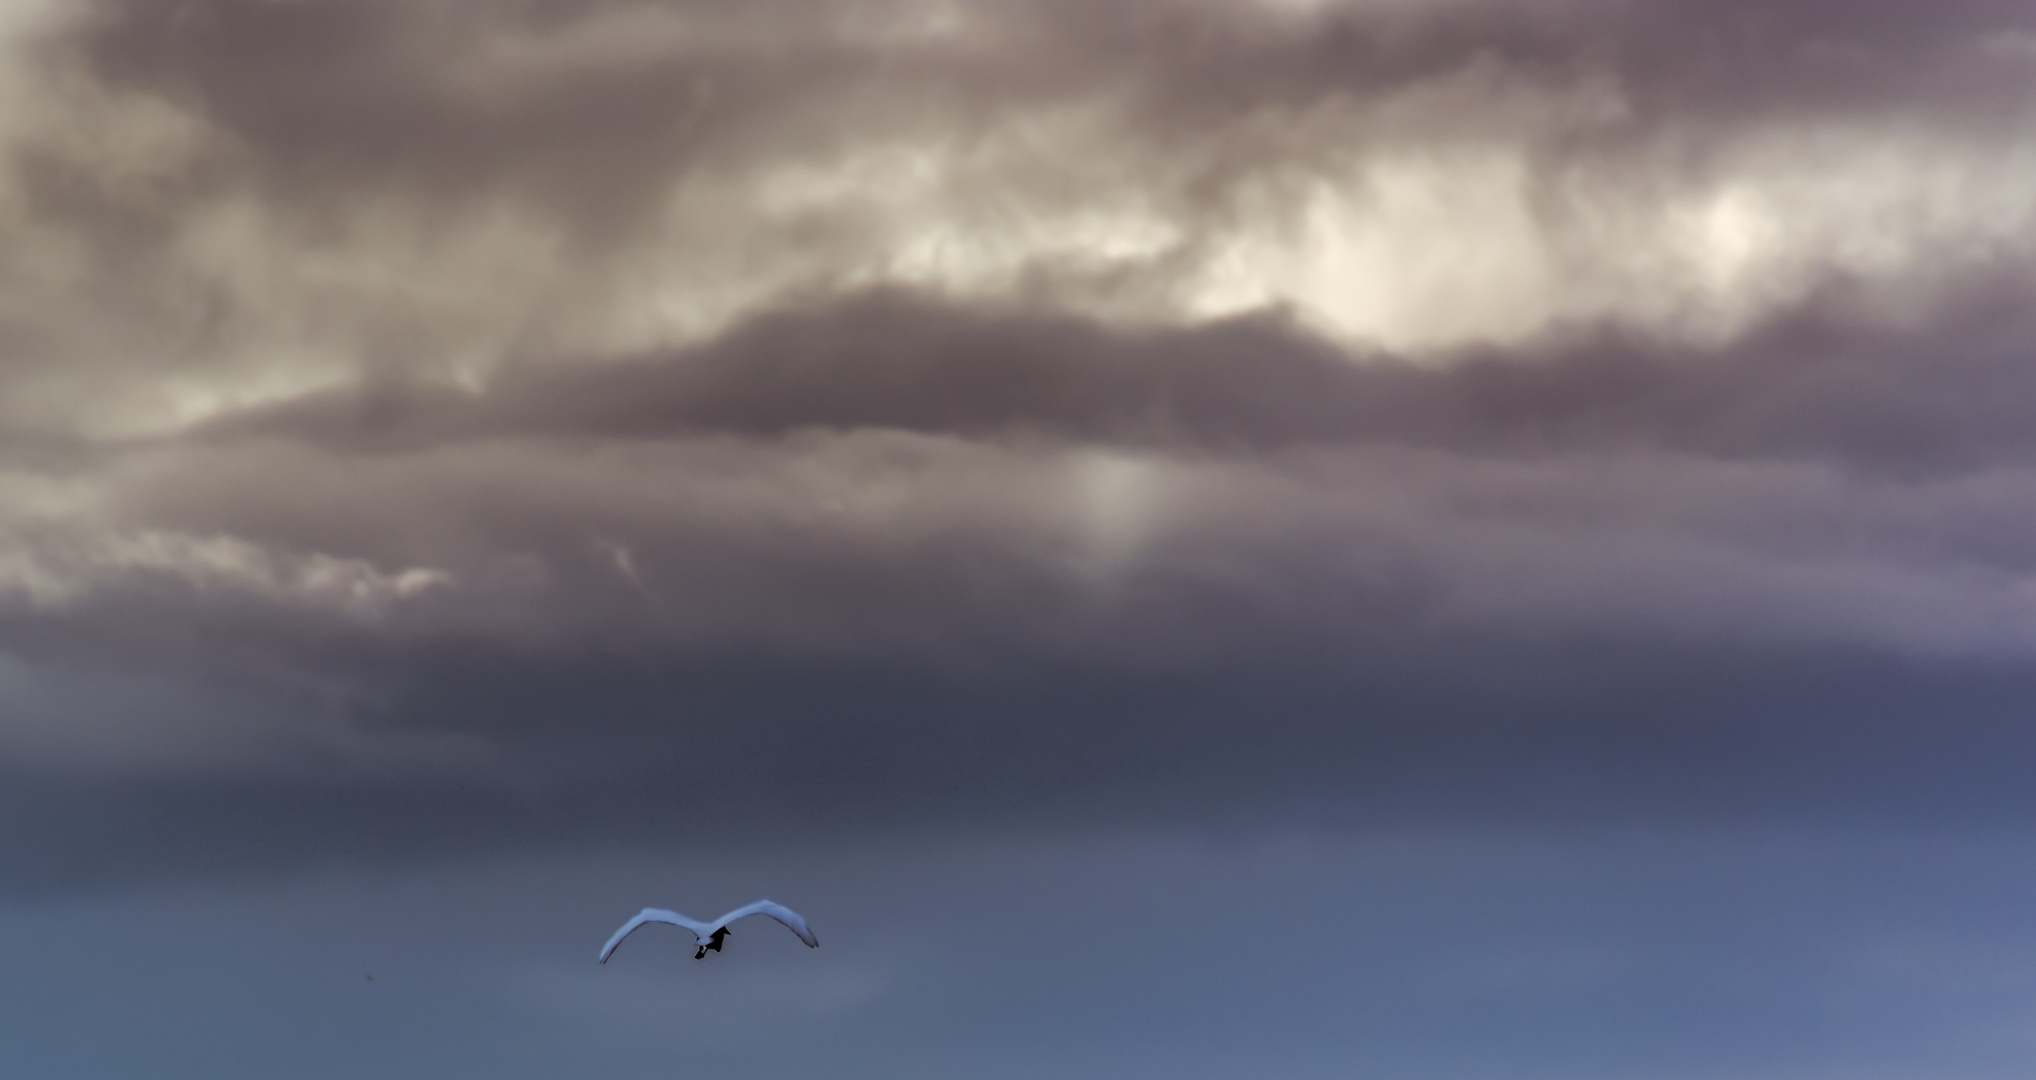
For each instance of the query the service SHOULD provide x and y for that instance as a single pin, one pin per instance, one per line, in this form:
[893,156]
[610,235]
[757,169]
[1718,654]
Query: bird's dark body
[713,944]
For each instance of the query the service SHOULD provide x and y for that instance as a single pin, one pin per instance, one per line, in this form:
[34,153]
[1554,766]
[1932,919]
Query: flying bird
[708,935]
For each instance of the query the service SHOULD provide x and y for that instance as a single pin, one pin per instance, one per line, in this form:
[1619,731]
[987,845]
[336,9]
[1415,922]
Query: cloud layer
[357,349]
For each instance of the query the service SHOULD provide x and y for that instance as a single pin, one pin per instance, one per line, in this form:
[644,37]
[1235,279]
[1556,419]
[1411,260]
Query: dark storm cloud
[904,484]
[1823,382]
[386,186]
[332,103]
[383,92]
[590,115]
[361,438]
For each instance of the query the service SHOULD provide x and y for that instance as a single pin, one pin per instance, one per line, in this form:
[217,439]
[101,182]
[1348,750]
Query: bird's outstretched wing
[792,919]
[651,915]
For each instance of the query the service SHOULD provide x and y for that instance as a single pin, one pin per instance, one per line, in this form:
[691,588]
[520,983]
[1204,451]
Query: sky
[1416,539]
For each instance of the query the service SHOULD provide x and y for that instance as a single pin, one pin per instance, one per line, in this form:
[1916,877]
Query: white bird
[708,935]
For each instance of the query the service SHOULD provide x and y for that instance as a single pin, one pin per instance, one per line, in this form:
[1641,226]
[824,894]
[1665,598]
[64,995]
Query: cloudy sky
[1419,539]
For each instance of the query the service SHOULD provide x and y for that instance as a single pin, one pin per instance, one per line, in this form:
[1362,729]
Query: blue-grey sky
[1456,540]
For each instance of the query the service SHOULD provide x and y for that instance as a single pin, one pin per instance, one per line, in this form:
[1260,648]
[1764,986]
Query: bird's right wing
[651,915]
[792,919]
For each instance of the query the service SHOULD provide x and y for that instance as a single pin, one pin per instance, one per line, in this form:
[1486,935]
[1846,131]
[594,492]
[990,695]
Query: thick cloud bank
[372,367]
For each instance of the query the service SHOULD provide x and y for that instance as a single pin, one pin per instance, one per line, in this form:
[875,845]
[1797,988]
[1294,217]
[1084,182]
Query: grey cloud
[408,435]
[325,105]
[380,85]
[1825,381]
[234,199]
[330,103]
[923,489]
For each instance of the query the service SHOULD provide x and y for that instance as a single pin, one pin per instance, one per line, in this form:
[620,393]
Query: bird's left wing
[651,915]
[792,919]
